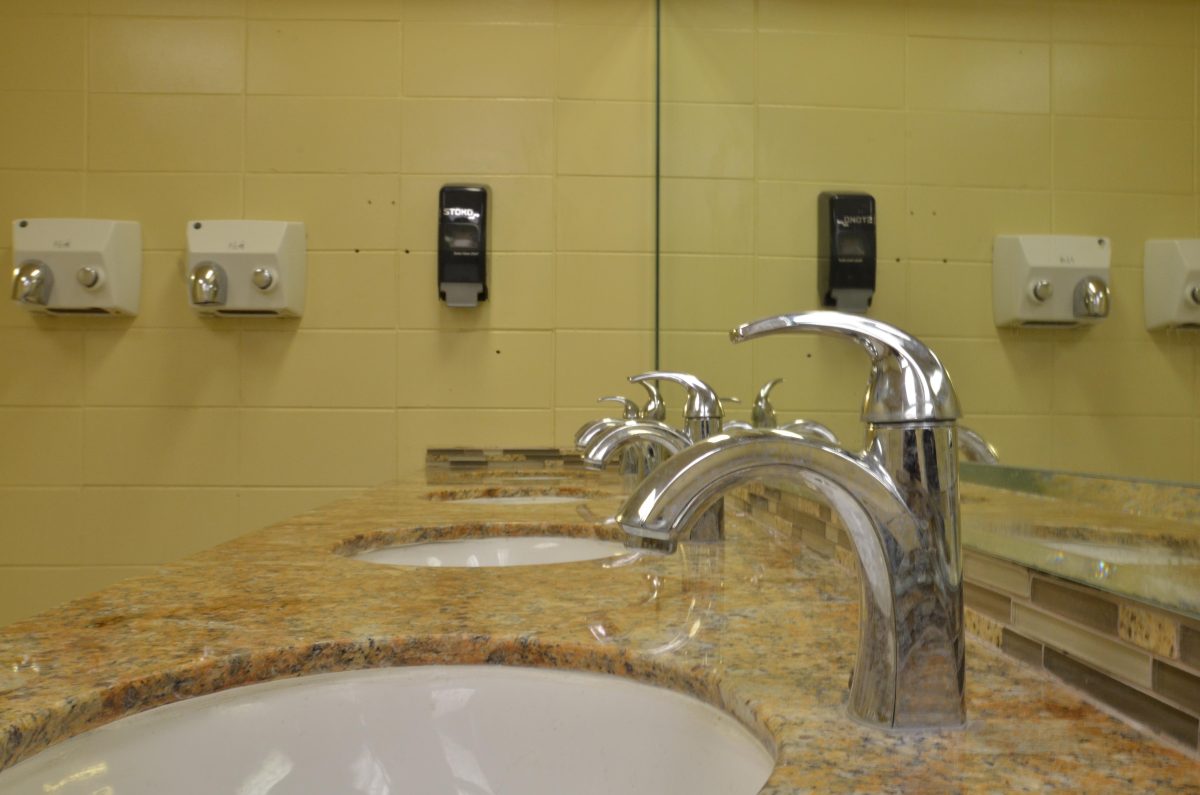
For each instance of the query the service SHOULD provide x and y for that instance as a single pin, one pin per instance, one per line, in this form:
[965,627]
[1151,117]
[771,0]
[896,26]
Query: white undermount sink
[474,552]
[453,730]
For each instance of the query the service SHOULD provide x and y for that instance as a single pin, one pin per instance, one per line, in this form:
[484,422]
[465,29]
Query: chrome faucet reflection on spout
[898,499]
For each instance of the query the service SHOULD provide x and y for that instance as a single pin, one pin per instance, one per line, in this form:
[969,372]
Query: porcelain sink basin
[458,730]
[495,551]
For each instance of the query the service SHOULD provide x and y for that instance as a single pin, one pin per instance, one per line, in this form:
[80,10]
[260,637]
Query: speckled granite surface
[757,626]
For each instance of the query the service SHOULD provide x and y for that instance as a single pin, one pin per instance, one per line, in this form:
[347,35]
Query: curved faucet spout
[606,443]
[904,524]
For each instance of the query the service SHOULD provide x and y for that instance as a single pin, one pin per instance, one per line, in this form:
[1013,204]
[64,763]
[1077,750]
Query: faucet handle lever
[908,383]
[762,415]
[702,400]
[631,410]
[654,409]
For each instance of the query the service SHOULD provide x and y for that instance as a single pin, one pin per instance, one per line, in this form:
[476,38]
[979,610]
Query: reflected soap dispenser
[462,244]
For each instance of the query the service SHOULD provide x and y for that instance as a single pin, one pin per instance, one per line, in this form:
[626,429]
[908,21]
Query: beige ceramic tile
[951,299]
[26,591]
[961,224]
[450,11]
[325,10]
[164,295]
[38,194]
[1156,378]
[1125,22]
[727,368]
[280,447]
[716,14]
[623,13]
[322,134]
[706,216]
[704,292]
[520,136]
[20,8]
[476,369]
[170,8]
[979,150]
[1146,447]
[1103,653]
[520,294]
[1023,20]
[357,58]
[420,429]
[160,446]
[589,364]
[605,214]
[869,17]
[998,377]
[355,212]
[972,75]
[351,291]
[522,209]
[1022,440]
[41,368]
[318,369]
[1127,219]
[489,60]
[260,507]
[55,141]
[1123,80]
[870,69]
[784,285]
[706,140]
[700,65]
[49,441]
[786,217]
[604,291]
[596,62]
[837,145]
[605,138]
[1123,155]
[124,526]
[161,367]
[164,203]
[158,132]
[43,54]
[197,56]
[822,374]
[42,526]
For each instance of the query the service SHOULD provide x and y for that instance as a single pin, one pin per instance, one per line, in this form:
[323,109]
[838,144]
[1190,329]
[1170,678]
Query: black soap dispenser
[462,244]
[846,250]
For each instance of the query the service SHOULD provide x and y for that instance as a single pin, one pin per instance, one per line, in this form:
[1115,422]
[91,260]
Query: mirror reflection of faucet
[898,499]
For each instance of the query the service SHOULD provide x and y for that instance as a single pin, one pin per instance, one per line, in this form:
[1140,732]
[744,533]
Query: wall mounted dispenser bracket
[846,250]
[246,268]
[77,266]
[1050,280]
[1172,283]
[462,244]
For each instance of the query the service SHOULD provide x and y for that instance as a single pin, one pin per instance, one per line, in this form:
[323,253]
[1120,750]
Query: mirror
[964,121]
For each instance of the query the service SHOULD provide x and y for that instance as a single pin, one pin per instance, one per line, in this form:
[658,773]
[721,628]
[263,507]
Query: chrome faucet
[898,499]
[32,282]
[762,415]
[703,417]
[974,448]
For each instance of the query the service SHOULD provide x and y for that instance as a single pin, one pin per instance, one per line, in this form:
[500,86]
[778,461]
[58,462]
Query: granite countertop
[759,626]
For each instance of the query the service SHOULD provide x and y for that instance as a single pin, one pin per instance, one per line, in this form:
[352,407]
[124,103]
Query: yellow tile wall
[128,443]
[965,119]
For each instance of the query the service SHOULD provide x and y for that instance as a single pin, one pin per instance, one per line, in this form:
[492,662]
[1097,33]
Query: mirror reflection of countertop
[1131,538]
[758,626]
